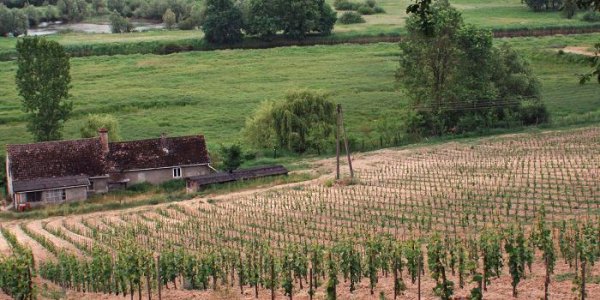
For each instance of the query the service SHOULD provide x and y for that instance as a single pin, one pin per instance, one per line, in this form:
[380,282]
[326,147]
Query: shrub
[351,17]
[365,10]
[169,18]
[119,24]
[232,157]
[345,5]
[93,123]
[143,187]
[172,185]
[534,112]
[379,10]
[13,21]
[371,3]
[591,16]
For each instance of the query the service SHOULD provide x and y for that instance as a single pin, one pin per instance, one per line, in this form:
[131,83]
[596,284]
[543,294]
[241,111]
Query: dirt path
[579,50]
[36,226]
[4,246]
[39,252]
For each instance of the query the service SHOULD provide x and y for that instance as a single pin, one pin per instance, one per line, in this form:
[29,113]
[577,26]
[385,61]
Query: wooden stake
[158,277]
[337,142]
[341,113]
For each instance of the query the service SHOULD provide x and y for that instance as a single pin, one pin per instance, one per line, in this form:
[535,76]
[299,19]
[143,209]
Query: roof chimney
[103,134]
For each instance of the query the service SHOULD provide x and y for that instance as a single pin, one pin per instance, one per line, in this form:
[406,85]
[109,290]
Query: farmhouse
[66,171]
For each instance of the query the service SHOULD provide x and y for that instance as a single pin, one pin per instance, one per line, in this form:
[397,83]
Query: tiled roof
[49,183]
[52,160]
[57,159]
[158,153]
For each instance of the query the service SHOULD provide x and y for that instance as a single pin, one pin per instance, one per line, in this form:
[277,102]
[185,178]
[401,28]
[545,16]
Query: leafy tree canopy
[43,81]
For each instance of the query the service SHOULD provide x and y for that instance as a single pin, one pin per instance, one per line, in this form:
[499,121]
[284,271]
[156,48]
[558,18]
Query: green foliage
[300,17]
[368,7]
[490,246]
[595,64]
[569,8]
[351,17]
[541,5]
[94,122]
[259,130]
[591,16]
[43,80]
[305,121]
[73,10]
[172,185]
[12,21]
[262,18]
[169,18]
[458,81]
[223,22]
[120,24]
[231,157]
[437,262]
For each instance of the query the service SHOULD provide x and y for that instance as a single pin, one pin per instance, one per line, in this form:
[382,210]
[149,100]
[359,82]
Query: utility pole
[340,130]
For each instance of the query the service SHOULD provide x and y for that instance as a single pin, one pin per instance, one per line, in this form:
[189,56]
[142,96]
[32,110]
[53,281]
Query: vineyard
[514,216]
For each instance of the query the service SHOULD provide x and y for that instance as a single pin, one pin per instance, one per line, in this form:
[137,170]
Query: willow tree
[305,121]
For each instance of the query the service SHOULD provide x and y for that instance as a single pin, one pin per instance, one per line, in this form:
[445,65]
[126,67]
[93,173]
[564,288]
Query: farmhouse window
[56,196]
[33,196]
[176,172]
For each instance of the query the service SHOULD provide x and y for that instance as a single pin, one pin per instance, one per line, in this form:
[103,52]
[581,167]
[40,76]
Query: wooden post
[419,279]
[148,283]
[310,285]
[158,277]
[583,265]
[272,279]
[341,125]
[337,142]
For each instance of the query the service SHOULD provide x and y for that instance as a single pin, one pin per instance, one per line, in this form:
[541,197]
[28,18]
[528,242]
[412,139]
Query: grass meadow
[499,14]
[213,92]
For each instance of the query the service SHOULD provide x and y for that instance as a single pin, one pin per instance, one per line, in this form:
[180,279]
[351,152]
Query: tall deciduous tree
[223,22]
[457,80]
[43,80]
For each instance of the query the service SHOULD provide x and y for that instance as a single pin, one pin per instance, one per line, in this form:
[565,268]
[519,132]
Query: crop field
[212,92]
[367,232]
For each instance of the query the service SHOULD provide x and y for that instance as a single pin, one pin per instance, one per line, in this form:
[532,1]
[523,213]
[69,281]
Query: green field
[501,14]
[485,13]
[213,92]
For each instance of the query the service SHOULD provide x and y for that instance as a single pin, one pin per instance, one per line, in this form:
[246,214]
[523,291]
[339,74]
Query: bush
[534,112]
[93,123]
[232,157]
[591,16]
[351,17]
[143,187]
[172,185]
[379,10]
[345,5]
[13,21]
[169,18]
[119,24]
[365,10]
